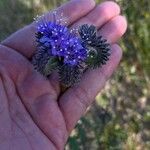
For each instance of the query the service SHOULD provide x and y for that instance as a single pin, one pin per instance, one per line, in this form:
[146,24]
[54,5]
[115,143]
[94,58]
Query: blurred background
[120,117]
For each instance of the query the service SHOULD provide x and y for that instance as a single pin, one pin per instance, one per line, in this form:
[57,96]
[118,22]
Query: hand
[34,113]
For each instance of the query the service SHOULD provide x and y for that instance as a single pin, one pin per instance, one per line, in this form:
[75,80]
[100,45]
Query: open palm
[34,113]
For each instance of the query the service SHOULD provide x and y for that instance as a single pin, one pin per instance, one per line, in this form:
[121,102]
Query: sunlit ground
[120,117]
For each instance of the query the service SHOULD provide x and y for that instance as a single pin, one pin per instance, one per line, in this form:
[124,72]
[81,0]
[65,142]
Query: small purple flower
[69,53]
[62,43]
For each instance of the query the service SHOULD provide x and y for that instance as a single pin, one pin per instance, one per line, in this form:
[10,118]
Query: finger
[75,101]
[100,15]
[114,29]
[24,40]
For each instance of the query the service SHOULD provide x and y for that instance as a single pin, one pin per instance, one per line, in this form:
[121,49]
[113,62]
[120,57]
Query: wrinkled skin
[34,113]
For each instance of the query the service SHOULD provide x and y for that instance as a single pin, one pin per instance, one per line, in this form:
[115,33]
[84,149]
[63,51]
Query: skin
[34,113]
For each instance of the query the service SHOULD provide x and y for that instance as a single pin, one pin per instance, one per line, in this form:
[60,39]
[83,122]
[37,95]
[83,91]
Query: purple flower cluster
[62,43]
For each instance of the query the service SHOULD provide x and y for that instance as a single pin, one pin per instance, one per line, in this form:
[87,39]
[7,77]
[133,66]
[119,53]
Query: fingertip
[111,4]
[117,52]
[122,25]
[100,15]
[114,29]
[76,9]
